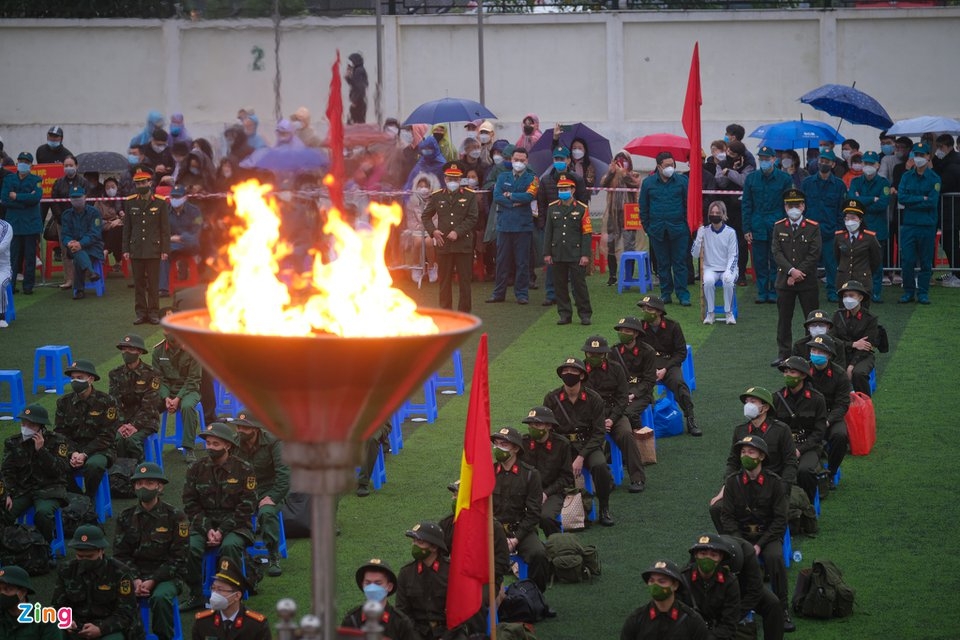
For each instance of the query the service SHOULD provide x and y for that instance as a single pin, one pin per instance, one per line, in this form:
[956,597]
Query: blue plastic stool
[718,308]
[11,312]
[145,619]
[426,410]
[873,381]
[58,546]
[227,403]
[644,279]
[99,286]
[396,432]
[816,501]
[522,569]
[103,504]
[153,450]
[836,476]
[209,567]
[259,548]
[18,400]
[787,548]
[689,375]
[177,436]
[455,381]
[647,417]
[379,472]
[616,461]
[588,487]
[53,359]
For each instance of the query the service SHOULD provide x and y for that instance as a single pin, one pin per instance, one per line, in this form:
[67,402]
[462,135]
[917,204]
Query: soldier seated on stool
[370,453]
[136,387]
[377,581]
[856,333]
[180,378]
[153,539]
[549,454]
[665,615]
[639,361]
[831,380]
[711,588]
[501,551]
[818,323]
[15,589]
[802,408]
[754,596]
[227,618]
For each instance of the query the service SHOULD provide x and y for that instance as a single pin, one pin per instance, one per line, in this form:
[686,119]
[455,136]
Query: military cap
[25,156]
[132,340]
[596,344]
[828,155]
[509,434]
[795,363]
[178,191]
[82,366]
[575,363]
[756,442]
[561,152]
[429,532]
[664,568]
[853,285]
[453,170]
[766,151]
[871,157]
[16,577]
[760,393]
[245,419]
[454,487]
[630,322]
[378,565]
[77,191]
[654,302]
[823,343]
[710,542]
[794,195]
[148,471]
[565,181]
[542,415]
[921,147]
[88,536]
[853,206]
[223,431]
[508,150]
[817,316]
[56,131]
[229,572]
[35,413]
[142,174]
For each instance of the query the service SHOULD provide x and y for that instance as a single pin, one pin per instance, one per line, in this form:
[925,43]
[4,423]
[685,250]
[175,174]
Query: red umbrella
[654,143]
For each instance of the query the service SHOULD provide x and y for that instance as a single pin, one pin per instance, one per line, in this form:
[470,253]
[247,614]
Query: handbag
[51,230]
[573,514]
[646,445]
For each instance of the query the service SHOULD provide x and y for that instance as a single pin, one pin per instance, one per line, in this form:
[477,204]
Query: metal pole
[378,98]
[322,520]
[480,46]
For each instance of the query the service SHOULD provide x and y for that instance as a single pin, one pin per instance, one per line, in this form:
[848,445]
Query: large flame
[352,296]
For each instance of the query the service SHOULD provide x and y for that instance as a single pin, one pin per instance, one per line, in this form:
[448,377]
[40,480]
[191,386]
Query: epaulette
[132,196]
[585,205]
[781,220]
[555,202]
[813,222]
[869,233]
[436,191]
[838,233]
[156,197]
[259,617]
[469,189]
[204,614]
[159,343]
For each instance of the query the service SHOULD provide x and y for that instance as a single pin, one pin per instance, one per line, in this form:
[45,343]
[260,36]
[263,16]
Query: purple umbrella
[541,155]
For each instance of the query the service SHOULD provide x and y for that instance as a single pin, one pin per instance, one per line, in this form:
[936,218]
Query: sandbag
[861,423]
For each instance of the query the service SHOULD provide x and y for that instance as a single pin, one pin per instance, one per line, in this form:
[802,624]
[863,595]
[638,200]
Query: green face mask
[625,338]
[648,316]
[146,496]
[79,386]
[749,463]
[791,381]
[84,566]
[658,592]
[501,455]
[594,360]
[536,433]
[419,553]
[129,357]
[706,566]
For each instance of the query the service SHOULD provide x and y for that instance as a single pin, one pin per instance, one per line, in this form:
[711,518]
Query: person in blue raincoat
[21,194]
[762,206]
[431,160]
[663,213]
[154,121]
[82,235]
[872,191]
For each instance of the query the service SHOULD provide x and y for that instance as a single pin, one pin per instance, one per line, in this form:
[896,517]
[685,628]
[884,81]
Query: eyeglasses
[223,591]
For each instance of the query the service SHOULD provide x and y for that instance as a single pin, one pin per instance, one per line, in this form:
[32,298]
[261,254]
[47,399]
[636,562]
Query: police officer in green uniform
[501,551]
[665,616]
[818,323]
[146,241]
[831,380]
[264,452]
[567,238]
[228,618]
[99,589]
[639,360]
[796,250]
[15,588]
[153,539]
[87,418]
[35,471]
[579,412]
[856,332]
[136,387]
[710,587]
[422,584]
[220,498]
[549,453]
[803,409]
[180,377]
[608,378]
[377,581]
[856,249]
[456,210]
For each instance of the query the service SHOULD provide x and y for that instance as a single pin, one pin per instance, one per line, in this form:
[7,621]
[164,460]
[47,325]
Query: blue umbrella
[541,155]
[796,134]
[448,110]
[848,103]
[299,159]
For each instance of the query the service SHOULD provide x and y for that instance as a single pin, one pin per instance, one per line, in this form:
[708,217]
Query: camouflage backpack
[571,561]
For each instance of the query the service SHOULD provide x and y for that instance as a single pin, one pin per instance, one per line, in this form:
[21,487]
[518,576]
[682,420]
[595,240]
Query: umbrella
[796,134]
[102,162]
[541,155]
[924,124]
[651,145]
[448,110]
[848,103]
[299,159]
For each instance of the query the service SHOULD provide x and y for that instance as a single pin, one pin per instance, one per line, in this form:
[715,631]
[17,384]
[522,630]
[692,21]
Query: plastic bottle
[797,556]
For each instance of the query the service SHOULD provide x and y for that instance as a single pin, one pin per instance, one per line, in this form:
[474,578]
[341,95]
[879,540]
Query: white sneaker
[951,281]
[416,274]
[709,319]
[731,319]
[3,324]
[433,273]
[897,279]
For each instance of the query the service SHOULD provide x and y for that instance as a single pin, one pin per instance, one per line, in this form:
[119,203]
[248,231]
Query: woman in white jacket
[719,260]
[6,236]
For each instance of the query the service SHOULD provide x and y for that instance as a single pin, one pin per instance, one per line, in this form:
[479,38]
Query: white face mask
[176,203]
[786,163]
[474,154]
[484,138]
[794,213]
[750,410]
[940,153]
[218,602]
[453,186]
[818,330]
[111,192]
[519,166]
[577,154]
[851,225]
[869,170]
[668,171]
[392,131]
[497,159]
[920,161]
[406,136]
[26,432]
[472,183]
[846,153]
[850,303]
[423,191]
[857,166]
[721,156]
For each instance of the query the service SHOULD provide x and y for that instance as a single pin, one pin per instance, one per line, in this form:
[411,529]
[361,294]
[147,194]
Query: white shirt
[720,248]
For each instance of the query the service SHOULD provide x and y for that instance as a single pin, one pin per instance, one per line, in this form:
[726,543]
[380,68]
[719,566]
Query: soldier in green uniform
[136,387]
[818,323]
[639,361]
[455,208]
[153,539]
[15,588]
[377,581]
[87,418]
[220,498]
[831,380]
[99,589]
[146,241]
[369,455]
[180,377]
[567,245]
[665,616]
[857,333]
[549,453]
[856,249]
[422,584]
[711,588]
[228,618]
[35,471]
[744,565]
[264,452]
[501,550]
[803,409]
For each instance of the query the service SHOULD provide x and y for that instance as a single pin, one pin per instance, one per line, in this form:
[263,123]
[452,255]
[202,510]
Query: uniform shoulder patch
[204,614]
[155,383]
[112,413]
[813,222]
[183,529]
[251,483]
[839,233]
[126,588]
[255,615]
[869,233]
[62,450]
[131,197]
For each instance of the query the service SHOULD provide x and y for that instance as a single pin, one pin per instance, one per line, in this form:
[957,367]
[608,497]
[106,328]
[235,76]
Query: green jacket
[39,474]
[221,497]
[137,392]
[455,211]
[567,231]
[10,629]
[273,475]
[103,597]
[89,424]
[146,227]
[155,543]
[179,371]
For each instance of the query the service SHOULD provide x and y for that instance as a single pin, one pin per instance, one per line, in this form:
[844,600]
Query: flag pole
[492,584]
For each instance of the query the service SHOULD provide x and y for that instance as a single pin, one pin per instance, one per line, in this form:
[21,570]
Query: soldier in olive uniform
[796,250]
[153,538]
[227,618]
[136,387]
[99,589]
[35,471]
[608,378]
[567,245]
[146,241]
[15,588]
[803,409]
[639,361]
[856,248]
[501,551]
[831,380]
[549,454]
[818,323]
[377,581]
[456,210]
[711,588]
[264,452]
[665,616]
[666,338]
[220,498]
[422,584]
[579,412]
[744,565]
[180,377]
[857,333]
[87,418]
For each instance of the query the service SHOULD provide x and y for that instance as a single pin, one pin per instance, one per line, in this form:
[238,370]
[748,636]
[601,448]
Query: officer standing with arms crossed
[136,387]
[566,246]
[146,241]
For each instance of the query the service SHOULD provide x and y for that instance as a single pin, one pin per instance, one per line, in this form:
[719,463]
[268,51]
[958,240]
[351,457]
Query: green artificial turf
[884,526]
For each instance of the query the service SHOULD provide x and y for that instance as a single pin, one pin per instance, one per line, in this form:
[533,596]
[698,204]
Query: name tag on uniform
[162,530]
[233,481]
[141,382]
[94,413]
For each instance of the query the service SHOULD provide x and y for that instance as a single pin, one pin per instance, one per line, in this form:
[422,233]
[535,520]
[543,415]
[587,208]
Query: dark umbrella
[448,110]
[849,104]
[102,162]
[541,155]
[301,159]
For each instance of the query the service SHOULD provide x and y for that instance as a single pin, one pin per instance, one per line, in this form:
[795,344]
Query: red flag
[470,560]
[335,118]
[691,124]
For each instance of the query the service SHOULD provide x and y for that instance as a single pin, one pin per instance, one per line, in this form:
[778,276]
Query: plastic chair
[18,401]
[52,359]
[11,313]
[259,548]
[588,486]
[718,306]
[227,403]
[426,410]
[49,266]
[103,503]
[522,569]
[451,382]
[58,546]
[787,548]
[378,476]
[177,436]
[145,619]
[689,375]
[396,431]
[873,381]
[193,274]
[209,568]
[99,286]
[644,278]
[616,461]
[153,450]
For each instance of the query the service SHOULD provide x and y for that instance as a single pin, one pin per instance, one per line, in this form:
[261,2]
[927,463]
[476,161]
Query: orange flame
[352,296]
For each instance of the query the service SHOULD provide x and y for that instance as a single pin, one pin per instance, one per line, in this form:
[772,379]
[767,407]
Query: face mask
[726,139]
[648,316]
[824,168]
[23,167]
[474,154]
[850,303]
[749,463]
[472,183]
[423,191]
[519,166]
[791,381]
[794,213]
[594,360]
[218,601]
[659,593]
[53,144]
[857,166]
[536,432]
[175,130]
[577,154]
[886,149]
[484,138]
[721,156]
[389,130]
[570,379]
[143,189]
[869,170]
[501,455]
[564,195]
[846,153]
[497,159]
[78,204]
[427,153]
[787,163]
[70,171]
[528,129]
[85,566]
[851,225]
[625,338]
[453,186]
[26,433]
[706,566]
[79,386]
[750,410]
[818,360]
[439,137]
[216,454]
[375,592]
[147,495]
[247,437]
[406,137]
[132,159]
[178,202]
[766,165]
[668,172]
[715,219]
[818,331]
[559,165]
[130,358]
[159,148]
[195,170]
[111,192]
[920,161]
[901,155]
[8,602]
[419,553]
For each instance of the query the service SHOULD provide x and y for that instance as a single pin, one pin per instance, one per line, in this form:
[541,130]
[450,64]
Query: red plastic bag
[861,424]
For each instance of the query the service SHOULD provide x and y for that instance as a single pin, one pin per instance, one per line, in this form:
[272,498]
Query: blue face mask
[175,131]
[818,360]
[766,165]
[564,195]
[53,144]
[726,139]
[375,592]
[559,165]
[23,167]
[887,149]
[132,159]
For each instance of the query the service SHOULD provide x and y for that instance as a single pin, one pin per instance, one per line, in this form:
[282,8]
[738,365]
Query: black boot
[692,427]
[612,266]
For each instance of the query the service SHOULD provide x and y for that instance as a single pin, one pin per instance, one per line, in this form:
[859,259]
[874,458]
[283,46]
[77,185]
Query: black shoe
[564,321]
[193,603]
[154,319]
[776,362]
[788,625]
[606,519]
[93,276]
[523,301]
[550,613]
[491,300]
[693,429]
[274,570]
[140,320]
[549,303]
[78,295]
[637,487]
[28,292]
[611,281]
[163,293]
[363,491]
[585,322]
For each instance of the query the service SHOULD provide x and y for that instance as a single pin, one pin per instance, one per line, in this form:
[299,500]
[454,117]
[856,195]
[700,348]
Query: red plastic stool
[193,274]
[599,257]
[49,267]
